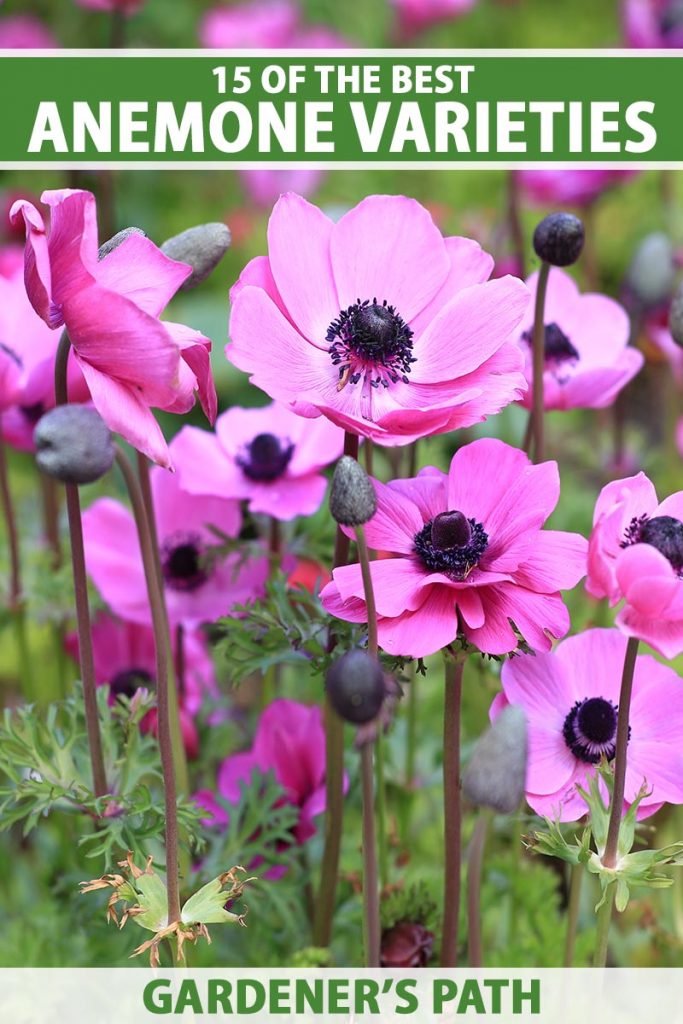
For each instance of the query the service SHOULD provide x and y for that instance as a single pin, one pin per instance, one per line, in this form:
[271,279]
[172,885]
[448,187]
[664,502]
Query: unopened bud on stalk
[652,273]
[676,316]
[115,241]
[353,501]
[203,247]
[73,444]
[355,687]
[558,239]
[496,774]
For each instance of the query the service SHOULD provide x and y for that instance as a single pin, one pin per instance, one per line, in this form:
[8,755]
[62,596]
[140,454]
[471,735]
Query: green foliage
[413,903]
[45,761]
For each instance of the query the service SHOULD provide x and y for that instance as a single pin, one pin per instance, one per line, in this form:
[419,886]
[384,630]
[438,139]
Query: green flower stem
[50,499]
[609,857]
[475,860]
[85,650]
[334,772]
[539,361]
[575,881]
[454,666]
[164,708]
[604,920]
[370,873]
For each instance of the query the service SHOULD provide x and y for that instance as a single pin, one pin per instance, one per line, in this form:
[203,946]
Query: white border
[336,165]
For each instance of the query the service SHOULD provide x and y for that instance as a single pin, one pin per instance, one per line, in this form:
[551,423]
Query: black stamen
[590,729]
[265,458]
[371,338]
[182,563]
[452,544]
[128,681]
[558,347]
[661,532]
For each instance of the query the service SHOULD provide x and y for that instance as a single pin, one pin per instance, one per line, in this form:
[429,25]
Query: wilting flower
[267,24]
[571,701]
[267,456]
[131,361]
[635,554]
[202,582]
[415,15]
[24,32]
[290,743]
[377,321]
[587,356]
[653,24]
[265,186]
[407,944]
[471,557]
[569,187]
[27,357]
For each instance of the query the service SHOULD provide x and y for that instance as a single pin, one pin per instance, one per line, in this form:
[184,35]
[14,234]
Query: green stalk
[576,878]
[604,920]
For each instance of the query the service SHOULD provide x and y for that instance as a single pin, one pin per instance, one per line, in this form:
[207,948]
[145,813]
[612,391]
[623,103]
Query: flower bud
[496,774]
[676,316]
[355,686]
[406,945]
[203,247]
[652,274]
[558,239]
[352,500]
[115,241]
[73,444]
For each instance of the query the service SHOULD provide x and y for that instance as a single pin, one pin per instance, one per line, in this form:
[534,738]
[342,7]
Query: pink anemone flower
[377,322]
[653,24]
[269,24]
[265,186]
[415,15]
[588,359]
[130,359]
[635,554]
[24,32]
[27,358]
[200,584]
[290,743]
[569,187]
[267,456]
[471,557]
[570,698]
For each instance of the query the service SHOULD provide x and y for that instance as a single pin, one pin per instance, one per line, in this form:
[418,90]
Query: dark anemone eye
[128,681]
[183,561]
[451,543]
[371,340]
[590,729]
[265,458]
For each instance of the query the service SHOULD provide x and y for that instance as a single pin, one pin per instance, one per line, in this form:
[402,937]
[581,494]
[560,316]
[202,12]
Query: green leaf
[207,906]
[154,897]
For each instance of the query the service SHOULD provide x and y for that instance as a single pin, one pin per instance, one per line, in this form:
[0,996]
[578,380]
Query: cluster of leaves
[45,762]
[413,903]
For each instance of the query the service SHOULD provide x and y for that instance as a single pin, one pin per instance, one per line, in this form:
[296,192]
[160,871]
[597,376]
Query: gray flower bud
[352,500]
[355,686]
[652,273]
[115,241]
[203,247]
[496,774]
[676,316]
[558,239]
[73,444]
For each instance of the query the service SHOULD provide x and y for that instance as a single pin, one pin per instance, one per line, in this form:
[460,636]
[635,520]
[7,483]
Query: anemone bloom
[269,24]
[570,698]
[471,557]
[131,361]
[268,456]
[653,24]
[587,356]
[415,15]
[635,554]
[290,742]
[265,186]
[24,32]
[201,583]
[569,187]
[377,321]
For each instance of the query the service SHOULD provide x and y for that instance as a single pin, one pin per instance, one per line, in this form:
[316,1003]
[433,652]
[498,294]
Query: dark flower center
[265,458]
[370,338]
[590,729]
[128,681]
[33,412]
[451,543]
[558,347]
[671,19]
[182,562]
[662,532]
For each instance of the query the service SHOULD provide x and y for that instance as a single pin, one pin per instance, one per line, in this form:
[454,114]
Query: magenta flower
[588,359]
[27,357]
[377,321]
[635,554]
[265,186]
[267,456]
[653,24]
[569,187]
[290,743]
[124,656]
[263,24]
[570,698]
[471,557]
[200,585]
[131,361]
[24,32]
[415,15]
